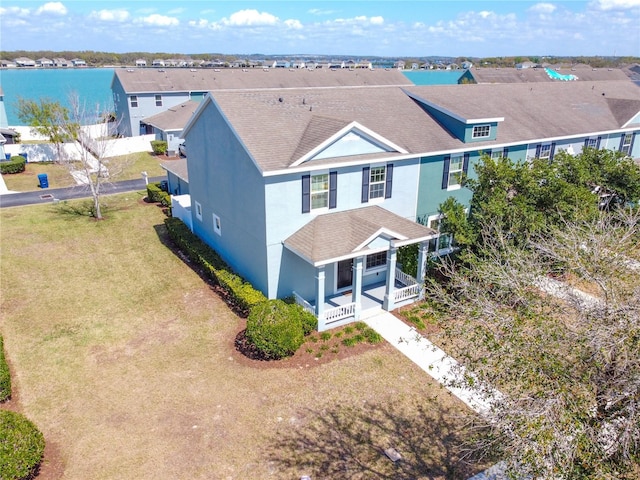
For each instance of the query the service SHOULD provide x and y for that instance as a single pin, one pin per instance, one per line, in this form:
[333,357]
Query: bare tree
[92,165]
[569,368]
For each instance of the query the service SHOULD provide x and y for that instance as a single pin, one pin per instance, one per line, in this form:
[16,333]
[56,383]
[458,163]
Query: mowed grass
[129,167]
[124,358]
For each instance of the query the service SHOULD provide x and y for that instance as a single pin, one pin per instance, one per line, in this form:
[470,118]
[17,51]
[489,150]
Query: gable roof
[174,118]
[536,75]
[343,235]
[150,80]
[278,127]
[543,110]
[178,168]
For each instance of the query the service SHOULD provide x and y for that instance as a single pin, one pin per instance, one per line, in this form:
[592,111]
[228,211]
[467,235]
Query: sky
[399,28]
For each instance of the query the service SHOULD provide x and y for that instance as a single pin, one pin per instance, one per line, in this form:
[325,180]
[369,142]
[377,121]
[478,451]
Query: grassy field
[124,358]
[59,176]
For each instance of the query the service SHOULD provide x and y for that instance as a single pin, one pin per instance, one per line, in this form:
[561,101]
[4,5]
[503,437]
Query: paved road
[47,195]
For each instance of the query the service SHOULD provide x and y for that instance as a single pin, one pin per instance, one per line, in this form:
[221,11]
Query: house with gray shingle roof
[310,191]
[141,93]
[168,125]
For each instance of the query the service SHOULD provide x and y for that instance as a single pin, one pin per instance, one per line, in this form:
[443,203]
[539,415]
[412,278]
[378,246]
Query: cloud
[294,24]
[250,18]
[159,20]
[376,20]
[543,8]
[615,4]
[57,8]
[317,11]
[14,11]
[110,15]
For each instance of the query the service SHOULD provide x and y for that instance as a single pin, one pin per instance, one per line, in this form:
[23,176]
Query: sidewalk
[429,358]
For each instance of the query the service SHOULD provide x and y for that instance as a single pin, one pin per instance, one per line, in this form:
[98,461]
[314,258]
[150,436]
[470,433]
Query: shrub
[21,446]
[273,330]
[5,376]
[240,293]
[159,147]
[15,164]
[371,336]
[156,194]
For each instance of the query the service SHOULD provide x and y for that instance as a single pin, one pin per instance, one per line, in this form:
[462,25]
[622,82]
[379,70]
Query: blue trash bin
[7,156]
[43,180]
[26,157]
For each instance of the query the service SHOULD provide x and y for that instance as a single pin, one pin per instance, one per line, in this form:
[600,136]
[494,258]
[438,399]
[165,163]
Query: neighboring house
[141,93]
[4,123]
[168,125]
[25,62]
[44,62]
[60,62]
[78,62]
[310,192]
[178,180]
[141,62]
[158,63]
[7,64]
[537,75]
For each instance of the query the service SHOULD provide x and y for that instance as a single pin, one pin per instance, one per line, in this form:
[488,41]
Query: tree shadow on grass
[350,442]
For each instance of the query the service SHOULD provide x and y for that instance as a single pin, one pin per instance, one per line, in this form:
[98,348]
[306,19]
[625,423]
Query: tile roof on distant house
[174,118]
[278,127]
[150,80]
[344,235]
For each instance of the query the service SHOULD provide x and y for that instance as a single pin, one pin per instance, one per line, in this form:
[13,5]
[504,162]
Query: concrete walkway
[429,358]
[438,365]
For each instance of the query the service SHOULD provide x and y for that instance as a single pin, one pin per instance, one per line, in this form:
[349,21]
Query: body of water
[434,77]
[91,85]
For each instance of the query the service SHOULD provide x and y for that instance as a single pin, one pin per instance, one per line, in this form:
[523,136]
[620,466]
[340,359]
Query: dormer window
[481,131]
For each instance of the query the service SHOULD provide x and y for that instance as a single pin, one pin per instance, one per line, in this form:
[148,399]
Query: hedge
[15,164]
[5,376]
[21,446]
[156,194]
[241,294]
[159,147]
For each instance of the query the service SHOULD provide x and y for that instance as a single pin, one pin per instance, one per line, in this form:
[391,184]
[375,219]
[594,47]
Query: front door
[345,273]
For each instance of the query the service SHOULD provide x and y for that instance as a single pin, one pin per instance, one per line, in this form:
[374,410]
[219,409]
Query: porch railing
[338,313]
[304,304]
[411,287]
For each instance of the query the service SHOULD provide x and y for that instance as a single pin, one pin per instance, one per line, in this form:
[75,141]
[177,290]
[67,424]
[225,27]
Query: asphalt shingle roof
[338,235]
[148,80]
[280,126]
[174,118]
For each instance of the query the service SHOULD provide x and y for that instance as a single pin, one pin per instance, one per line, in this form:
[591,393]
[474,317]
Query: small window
[217,227]
[319,191]
[496,154]
[134,101]
[625,145]
[376,260]
[481,131]
[545,151]
[591,142]
[444,241]
[377,182]
[158,100]
[198,211]
[455,170]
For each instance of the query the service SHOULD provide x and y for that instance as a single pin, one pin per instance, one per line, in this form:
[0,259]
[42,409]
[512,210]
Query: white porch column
[389,303]
[320,297]
[422,265]
[356,288]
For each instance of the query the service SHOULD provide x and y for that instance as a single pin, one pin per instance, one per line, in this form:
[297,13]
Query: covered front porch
[359,240]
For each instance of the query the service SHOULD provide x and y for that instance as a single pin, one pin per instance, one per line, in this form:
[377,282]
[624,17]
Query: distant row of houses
[25,62]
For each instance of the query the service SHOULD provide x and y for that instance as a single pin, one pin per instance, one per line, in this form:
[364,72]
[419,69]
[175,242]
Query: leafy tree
[568,369]
[49,119]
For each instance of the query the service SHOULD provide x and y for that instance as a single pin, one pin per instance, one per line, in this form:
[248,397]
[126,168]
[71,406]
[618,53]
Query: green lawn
[125,360]
[129,167]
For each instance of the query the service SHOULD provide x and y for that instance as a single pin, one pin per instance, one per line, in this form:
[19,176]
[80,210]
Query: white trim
[353,126]
[381,231]
[473,130]
[217,225]
[198,210]
[467,121]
